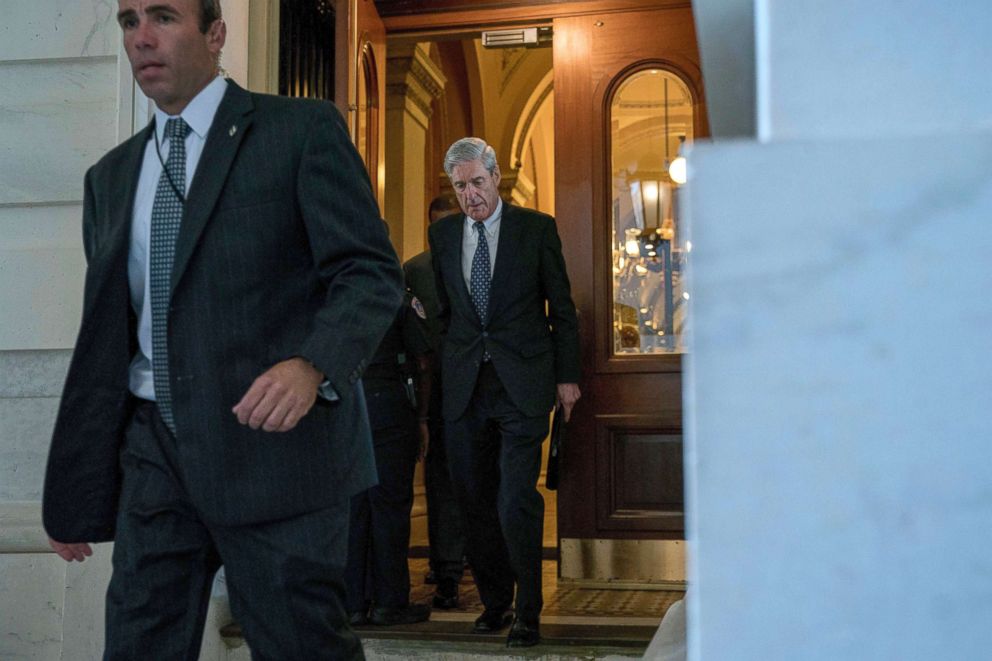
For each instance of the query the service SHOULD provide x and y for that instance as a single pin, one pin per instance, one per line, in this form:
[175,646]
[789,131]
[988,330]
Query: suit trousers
[494,453]
[379,535]
[284,578]
[444,524]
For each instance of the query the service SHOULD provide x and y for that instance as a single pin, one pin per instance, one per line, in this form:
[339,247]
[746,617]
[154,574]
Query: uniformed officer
[444,525]
[397,393]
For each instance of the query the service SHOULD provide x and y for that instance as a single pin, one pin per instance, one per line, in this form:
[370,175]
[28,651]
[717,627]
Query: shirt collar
[198,113]
[490,222]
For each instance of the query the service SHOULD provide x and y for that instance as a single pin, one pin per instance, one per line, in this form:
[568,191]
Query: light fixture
[518,37]
[677,170]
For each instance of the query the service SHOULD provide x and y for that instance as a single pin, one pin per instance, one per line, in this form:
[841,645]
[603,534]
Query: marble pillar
[838,379]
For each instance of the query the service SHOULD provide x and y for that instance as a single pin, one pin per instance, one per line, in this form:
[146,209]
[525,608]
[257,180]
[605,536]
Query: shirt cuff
[327,391]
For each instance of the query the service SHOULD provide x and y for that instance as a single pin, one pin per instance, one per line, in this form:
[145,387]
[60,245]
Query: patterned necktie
[167,215]
[481,276]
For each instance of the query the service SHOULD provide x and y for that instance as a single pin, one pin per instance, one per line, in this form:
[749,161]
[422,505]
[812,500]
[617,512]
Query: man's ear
[216,36]
[496,174]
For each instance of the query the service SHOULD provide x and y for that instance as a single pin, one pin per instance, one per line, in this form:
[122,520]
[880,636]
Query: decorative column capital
[413,81]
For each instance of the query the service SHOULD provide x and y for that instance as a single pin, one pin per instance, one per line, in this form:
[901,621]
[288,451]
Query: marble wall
[58,105]
[725,31]
[59,112]
[66,98]
[875,68]
[837,448]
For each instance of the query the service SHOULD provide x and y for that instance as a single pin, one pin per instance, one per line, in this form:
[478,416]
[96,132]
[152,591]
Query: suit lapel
[124,213]
[226,133]
[510,227]
[456,243]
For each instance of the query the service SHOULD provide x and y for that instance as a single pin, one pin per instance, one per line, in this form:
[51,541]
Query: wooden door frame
[605,360]
[660,550]
[441,16]
[632,402]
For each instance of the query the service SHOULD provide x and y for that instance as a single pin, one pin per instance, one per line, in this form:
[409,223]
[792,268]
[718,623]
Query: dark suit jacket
[281,253]
[532,350]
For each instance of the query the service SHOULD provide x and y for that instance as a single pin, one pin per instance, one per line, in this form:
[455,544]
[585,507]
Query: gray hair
[209,12]
[470,149]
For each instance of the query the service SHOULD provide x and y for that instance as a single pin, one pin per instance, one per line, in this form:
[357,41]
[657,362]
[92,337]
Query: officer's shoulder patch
[418,307]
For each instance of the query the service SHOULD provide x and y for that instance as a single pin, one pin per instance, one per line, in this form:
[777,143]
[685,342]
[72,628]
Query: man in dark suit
[444,526]
[237,267]
[510,349]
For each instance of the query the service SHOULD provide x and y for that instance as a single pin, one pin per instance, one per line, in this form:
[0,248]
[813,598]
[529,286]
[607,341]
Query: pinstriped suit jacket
[281,253]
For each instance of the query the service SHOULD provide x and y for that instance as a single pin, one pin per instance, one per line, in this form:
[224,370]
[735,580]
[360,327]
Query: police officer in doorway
[397,392]
[444,525]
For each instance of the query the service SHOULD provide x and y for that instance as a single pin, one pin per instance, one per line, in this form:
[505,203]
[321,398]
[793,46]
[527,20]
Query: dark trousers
[284,578]
[495,477]
[444,525]
[379,535]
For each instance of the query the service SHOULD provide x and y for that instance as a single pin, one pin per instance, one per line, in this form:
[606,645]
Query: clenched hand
[280,397]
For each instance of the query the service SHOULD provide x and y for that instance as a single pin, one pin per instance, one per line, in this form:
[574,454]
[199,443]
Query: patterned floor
[565,600]
[577,622]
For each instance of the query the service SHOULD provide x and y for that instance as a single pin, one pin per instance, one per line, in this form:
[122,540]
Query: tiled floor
[598,622]
[639,607]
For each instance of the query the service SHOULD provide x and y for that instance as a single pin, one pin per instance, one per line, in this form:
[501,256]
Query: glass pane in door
[651,117]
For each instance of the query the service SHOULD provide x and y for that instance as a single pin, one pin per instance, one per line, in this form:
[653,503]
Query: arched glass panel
[651,116]
[367,130]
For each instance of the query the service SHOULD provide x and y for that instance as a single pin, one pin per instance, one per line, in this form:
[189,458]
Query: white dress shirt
[470,240]
[199,114]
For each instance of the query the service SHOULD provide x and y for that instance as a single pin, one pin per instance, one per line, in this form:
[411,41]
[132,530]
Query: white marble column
[838,455]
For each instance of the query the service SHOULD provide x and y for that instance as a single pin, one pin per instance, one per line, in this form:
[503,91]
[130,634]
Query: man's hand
[568,394]
[280,397]
[70,552]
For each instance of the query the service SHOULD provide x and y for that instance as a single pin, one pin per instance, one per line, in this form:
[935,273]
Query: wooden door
[621,489]
[360,83]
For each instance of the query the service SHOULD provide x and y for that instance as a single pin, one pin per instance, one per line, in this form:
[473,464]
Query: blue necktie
[480,279]
[481,276]
[167,216]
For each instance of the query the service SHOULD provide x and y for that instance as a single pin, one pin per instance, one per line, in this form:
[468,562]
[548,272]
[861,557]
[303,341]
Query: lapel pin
[233,130]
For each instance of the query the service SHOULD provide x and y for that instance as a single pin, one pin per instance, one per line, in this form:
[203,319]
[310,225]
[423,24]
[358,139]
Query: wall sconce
[678,170]
[653,192]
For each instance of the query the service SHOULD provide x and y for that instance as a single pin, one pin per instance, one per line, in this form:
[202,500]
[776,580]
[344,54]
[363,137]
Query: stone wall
[59,112]
[66,98]
[837,455]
